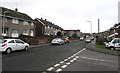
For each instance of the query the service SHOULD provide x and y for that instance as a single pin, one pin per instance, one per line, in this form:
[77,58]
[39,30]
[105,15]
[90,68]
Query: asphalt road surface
[69,57]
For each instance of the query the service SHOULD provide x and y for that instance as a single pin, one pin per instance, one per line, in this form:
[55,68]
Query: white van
[114,44]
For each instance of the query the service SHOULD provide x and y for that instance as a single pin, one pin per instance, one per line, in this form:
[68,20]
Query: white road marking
[64,66]
[74,59]
[69,57]
[44,72]
[77,56]
[62,62]
[71,61]
[58,70]
[77,53]
[65,59]
[72,56]
[68,63]
[82,50]
[92,59]
[51,68]
[56,65]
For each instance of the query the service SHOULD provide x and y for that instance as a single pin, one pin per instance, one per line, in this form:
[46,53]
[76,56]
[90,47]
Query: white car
[88,40]
[81,38]
[9,45]
[115,43]
[58,41]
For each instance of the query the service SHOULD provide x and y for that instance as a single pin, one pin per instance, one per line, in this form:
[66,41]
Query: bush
[100,40]
[74,35]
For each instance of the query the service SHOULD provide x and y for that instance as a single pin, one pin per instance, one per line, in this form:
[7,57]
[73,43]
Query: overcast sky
[70,14]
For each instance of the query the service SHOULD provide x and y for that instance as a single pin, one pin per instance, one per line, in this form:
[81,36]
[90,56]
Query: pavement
[92,47]
[32,46]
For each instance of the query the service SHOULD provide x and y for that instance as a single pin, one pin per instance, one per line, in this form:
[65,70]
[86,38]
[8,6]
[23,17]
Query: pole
[3,26]
[91,26]
[98,25]
[0,23]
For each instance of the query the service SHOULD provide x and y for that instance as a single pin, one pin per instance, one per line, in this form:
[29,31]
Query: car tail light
[4,45]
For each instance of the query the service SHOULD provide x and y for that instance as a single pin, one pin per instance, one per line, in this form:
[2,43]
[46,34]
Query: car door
[118,43]
[12,44]
[20,44]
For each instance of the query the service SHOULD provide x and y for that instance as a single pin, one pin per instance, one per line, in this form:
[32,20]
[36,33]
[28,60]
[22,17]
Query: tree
[74,35]
[59,33]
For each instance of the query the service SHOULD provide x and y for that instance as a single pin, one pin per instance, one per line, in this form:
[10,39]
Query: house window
[51,27]
[4,19]
[32,24]
[25,32]
[15,33]
[25,23]
[15,21]
[48,26]
[31,33]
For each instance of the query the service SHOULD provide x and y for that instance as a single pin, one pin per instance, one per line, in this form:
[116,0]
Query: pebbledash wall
[119,12]
[0,23]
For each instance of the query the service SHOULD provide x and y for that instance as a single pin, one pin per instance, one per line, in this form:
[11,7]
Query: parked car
[81,38]
[92,38]
[66,37]
[66,40]
[114,44]
[9,45]
[58,41]
[88,40]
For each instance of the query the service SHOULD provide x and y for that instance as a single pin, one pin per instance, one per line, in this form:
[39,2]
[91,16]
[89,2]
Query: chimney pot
[16,9]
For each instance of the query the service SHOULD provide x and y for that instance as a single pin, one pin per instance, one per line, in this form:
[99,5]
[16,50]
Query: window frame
[15,21]
[25,23]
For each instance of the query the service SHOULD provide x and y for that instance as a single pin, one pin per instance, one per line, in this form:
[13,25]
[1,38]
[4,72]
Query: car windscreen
[3,41]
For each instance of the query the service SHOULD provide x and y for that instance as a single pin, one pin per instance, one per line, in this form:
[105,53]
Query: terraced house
[115,31]
[44,27]
[15,23]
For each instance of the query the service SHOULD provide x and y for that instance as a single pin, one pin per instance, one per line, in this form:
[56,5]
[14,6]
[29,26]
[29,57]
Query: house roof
[15,14]
[48,23]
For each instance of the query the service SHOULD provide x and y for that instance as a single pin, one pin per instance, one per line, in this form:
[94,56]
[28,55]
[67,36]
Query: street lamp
[91,26]
[3,26]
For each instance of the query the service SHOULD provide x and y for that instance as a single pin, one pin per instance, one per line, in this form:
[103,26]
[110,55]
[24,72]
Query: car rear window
[3,41]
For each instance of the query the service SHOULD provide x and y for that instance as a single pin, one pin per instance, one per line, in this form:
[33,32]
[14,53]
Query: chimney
[41,18]
[45,19]
[16,9]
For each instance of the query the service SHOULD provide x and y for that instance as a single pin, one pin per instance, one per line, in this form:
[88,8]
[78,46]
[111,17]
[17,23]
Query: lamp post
[3,26]
[91,26]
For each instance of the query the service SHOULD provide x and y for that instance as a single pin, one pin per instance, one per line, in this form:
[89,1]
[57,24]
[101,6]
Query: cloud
[69,14]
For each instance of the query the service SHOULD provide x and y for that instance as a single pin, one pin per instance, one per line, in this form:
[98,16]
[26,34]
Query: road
[69,57]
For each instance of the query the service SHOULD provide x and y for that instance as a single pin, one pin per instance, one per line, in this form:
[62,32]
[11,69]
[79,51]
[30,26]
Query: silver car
[88,40]
[58,41]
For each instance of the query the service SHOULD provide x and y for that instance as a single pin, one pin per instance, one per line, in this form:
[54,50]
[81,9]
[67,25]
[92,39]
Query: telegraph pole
[98,25]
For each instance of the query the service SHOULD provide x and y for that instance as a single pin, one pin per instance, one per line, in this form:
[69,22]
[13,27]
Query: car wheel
[112,48]
[60,43]
[8,51]
[26,48]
